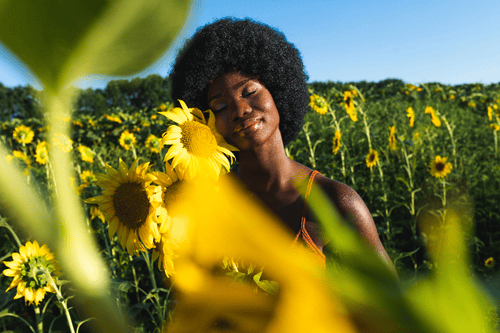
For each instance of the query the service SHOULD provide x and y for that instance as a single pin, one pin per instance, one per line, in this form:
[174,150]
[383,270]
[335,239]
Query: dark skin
[247,118]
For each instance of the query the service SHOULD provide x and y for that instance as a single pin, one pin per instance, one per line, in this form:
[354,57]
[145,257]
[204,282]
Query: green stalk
[444,193]
[133,150]
[100,160]
[105,236]
[150,269]
[61,300]
[136,283]
[450,130]
[410,178]
[496,142]
[367,128]
[3,223]
[343,163]
[39,321]
[161,160]
[311,150]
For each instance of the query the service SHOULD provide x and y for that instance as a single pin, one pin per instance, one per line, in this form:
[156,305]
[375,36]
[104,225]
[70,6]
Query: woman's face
[245,113]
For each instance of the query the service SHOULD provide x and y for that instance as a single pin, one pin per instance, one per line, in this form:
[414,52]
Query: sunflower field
[413,153]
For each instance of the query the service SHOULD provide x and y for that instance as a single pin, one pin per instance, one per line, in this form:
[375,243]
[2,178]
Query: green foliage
[399,191]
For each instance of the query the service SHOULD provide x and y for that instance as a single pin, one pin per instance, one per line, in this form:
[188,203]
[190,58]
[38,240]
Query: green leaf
[61,41]
[270,287]
[402,255]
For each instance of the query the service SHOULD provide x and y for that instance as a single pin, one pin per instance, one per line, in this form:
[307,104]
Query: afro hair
[253,48]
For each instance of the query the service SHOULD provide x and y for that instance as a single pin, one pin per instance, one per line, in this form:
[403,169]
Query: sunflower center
[198,139]
[155,143]
[320,102]
[439,166]
[131,204]
[372,157]
[348,101]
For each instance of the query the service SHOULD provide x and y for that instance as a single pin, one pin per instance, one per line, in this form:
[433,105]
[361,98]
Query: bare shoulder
[354,210]
[347,201]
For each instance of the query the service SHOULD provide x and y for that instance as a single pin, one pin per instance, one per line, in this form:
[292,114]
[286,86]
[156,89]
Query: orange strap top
[303,234]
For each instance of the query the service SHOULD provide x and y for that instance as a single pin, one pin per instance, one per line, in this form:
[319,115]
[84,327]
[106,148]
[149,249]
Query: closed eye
[220,108]
[249,93]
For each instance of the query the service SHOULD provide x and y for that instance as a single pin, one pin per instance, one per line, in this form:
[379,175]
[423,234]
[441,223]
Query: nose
[241,108]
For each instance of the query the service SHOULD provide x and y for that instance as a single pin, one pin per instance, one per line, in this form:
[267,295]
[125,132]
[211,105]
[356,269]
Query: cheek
[221,126]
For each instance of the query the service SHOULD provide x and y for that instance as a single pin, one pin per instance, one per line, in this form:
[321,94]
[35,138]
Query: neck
[265,168]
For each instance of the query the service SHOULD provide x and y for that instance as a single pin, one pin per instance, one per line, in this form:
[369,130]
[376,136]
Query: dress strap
[303,231]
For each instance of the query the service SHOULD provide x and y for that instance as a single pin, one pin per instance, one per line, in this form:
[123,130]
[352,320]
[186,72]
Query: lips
[247,126]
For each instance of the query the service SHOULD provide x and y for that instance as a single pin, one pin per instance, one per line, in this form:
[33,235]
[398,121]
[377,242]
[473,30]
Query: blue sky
[451,42]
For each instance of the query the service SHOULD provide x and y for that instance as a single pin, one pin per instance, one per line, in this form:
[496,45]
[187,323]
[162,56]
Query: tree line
[150,92]
[128,95]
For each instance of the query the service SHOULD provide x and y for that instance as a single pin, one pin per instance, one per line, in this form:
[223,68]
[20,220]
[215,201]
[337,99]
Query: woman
[254,81]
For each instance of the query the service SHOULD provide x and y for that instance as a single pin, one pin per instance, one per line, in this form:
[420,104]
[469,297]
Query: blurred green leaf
[270,287]
[61,41]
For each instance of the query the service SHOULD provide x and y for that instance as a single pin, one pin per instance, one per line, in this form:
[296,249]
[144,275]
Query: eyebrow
[236,86]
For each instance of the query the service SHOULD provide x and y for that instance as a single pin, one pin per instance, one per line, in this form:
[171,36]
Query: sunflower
[490,113]
[80,188]
[115,119]
[32,268]
[410,114]
[439,167]
[490,262]
[88,177]
[20,155]
[23,134]
[371,158]
[153,143]
[318,104]
[337,143]
[87,153]
[42,152]
[435,120]
[171,187]
[127,140]
[495,127]
[164,249]
[196,145]
[392,138]
[95,212]
[63,142]
[349,105]
[129,204]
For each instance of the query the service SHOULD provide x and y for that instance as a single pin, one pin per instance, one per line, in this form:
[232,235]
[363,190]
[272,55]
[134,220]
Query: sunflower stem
[61,300]
[496,142]
[343,164]
[100,160]
[133,150]
[4,223]
[39,320]
[450,130]
[444,193]
[311,150]
[367,128]
[161,160]
[104,232]
[150,269]
[135,280]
